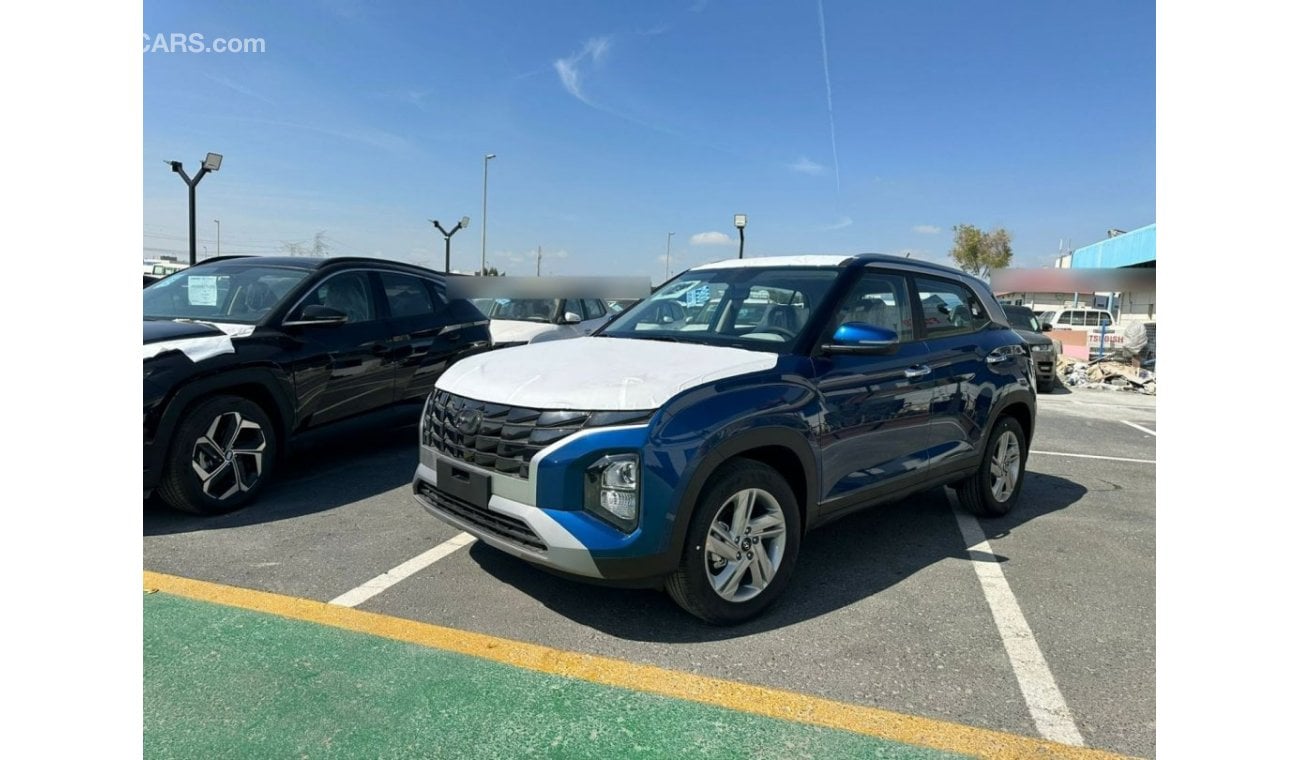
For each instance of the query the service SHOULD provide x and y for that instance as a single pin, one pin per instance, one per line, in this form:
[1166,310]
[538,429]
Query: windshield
[231,292]
[524,309]
[1022,319]
[745,307]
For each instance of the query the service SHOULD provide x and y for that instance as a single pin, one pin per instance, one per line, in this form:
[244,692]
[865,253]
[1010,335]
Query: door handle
[915,371]
[1003,355]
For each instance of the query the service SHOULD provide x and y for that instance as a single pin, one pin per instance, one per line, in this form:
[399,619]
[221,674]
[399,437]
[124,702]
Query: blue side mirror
[862,338]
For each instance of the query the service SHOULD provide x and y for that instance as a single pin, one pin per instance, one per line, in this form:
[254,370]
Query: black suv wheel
[993,490]
[741,546]
[220,456]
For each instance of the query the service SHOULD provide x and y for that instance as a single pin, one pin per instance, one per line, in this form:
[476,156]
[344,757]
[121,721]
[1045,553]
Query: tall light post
[486,157]
[740,225]
[218,221]
[211,163]
[462,224]
[668,257]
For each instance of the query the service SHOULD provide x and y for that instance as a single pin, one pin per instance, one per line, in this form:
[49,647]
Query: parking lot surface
[1045,628]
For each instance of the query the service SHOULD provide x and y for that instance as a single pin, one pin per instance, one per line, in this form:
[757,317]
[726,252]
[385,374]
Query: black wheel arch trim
[273,381]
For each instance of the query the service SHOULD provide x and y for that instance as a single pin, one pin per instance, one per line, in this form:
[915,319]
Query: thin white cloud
[572,70]
[239,88]
[843,222]
[926,229]
[806,166]
[710,238]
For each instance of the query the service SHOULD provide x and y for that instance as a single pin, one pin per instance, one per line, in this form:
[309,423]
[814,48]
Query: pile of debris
[1109,375]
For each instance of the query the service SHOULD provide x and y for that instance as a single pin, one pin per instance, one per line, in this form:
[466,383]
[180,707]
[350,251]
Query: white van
[1077,318]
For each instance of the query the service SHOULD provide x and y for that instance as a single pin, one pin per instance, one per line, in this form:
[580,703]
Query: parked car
[516,321]
[694,455]
[1042,349]
[617,305]
[1079,318]
[242,353]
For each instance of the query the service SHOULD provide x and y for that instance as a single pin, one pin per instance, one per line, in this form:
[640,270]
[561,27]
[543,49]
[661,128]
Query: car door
[958,365]
[426,334]
[875,432]
[594,314]
[341,370]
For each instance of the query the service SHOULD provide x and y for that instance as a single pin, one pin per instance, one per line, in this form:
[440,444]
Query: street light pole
[483,267]
[539,261]
[218,221]
[211,163]
[741,221]
[462,224]
[668,257]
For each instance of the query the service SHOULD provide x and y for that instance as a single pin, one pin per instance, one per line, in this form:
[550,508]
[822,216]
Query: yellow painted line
[746,698]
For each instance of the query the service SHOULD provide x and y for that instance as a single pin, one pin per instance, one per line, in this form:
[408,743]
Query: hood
[1034,338]
[596,374]
[517,331]
[169,329]
[197,340]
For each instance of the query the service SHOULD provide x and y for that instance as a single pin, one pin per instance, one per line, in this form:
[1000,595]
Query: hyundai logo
[468,421]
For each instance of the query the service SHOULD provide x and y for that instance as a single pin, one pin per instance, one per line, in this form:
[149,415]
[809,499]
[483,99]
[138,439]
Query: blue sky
[615,123]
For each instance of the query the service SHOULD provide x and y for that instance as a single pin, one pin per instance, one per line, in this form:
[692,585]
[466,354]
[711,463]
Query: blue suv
[692,447]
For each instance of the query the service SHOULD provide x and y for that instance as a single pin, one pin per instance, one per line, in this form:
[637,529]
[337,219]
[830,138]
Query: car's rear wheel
[741,546]
[221,456]
[994,489]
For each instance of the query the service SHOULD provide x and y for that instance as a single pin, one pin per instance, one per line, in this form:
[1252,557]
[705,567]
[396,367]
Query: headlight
[1044,349]
[612,490]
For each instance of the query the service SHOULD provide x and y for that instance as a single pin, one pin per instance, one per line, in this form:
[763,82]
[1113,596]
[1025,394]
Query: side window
[879,300]
[594,308]
[950,308]
[1090,318]
[1105,318]
[348,292]
[407,296]
[1075,319]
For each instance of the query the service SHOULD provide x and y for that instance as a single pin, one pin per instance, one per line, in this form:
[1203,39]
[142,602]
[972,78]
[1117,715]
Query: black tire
[234,440]
[1046,385]
[985,495]
[692,584]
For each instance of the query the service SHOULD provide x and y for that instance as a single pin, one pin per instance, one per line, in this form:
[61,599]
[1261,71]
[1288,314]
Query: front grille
[507,527]
[501,437]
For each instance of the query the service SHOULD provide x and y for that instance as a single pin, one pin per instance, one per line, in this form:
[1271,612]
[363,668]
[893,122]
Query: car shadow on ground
[323,469]
[838,565]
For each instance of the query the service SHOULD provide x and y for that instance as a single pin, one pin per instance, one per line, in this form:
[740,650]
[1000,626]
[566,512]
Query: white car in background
[516,321]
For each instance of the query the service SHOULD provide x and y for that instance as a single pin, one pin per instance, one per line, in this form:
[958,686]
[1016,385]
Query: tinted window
[348,292]
[879,300]
[1022,318]
[594,309]
[407,296]
[949,308]
[525,309]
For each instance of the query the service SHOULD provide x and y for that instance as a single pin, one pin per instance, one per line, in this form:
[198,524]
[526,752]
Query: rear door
[875,433]
[955,335]
[424,334]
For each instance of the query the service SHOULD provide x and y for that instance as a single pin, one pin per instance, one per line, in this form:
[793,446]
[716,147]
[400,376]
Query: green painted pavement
[226,682]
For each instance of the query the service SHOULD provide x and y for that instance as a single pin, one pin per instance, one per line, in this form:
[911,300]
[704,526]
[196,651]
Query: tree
[979,252]
[491,272]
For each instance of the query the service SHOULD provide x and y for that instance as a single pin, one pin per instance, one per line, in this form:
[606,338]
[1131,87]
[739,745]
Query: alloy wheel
[228,458]
[746,544]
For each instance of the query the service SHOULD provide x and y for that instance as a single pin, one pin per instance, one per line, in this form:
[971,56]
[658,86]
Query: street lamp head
[489,155]
[740,221]
[213,162]
[464,222]
[175,165]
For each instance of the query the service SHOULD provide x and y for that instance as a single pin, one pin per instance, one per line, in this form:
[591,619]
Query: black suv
[240,353]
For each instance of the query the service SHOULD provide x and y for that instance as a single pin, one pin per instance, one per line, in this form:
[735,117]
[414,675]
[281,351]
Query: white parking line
[1046,704]
[1148,431]
[401,572]
[1092,456]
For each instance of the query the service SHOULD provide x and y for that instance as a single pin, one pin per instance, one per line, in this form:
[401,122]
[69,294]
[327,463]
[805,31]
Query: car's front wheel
[993,490]
[741,546]
[220,458]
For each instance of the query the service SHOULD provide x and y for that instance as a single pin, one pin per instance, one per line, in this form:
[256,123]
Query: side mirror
[316,314]
[862,338]
[570,318]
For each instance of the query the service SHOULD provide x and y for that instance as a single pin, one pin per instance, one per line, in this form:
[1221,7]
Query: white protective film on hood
[204,347]
[597,374]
